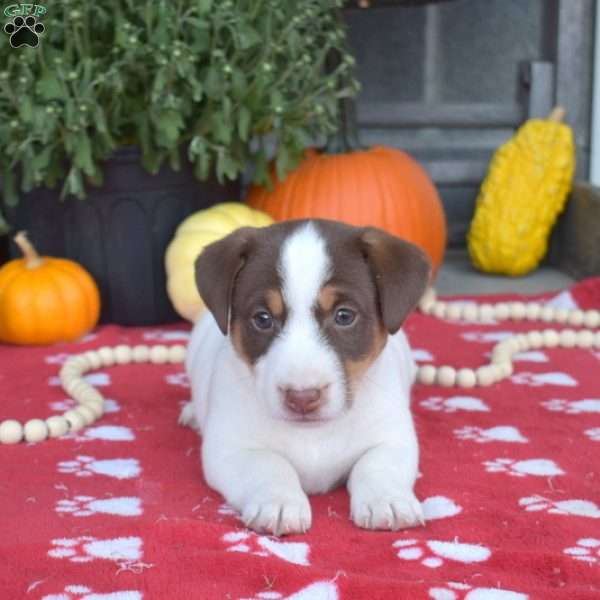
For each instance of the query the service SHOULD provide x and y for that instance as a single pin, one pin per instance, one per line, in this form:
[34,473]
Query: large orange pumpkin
[382,186]
[45,300]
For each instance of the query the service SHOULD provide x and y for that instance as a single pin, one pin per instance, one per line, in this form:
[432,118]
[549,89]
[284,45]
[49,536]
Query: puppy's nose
[303,401]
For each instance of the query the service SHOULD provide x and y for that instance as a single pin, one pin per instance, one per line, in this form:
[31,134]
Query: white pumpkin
[196,232]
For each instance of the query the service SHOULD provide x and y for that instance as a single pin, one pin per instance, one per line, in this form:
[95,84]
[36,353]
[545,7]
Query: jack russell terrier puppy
[301,375]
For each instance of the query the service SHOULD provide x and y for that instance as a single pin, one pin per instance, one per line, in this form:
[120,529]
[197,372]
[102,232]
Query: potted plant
[152,111]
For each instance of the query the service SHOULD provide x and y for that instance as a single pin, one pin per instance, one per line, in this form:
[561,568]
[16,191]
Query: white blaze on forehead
[304,267]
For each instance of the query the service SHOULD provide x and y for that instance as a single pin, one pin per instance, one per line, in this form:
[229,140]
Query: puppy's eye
[344,317]
[262,320]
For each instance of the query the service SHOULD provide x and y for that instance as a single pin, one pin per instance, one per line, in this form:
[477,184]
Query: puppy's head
[309,306]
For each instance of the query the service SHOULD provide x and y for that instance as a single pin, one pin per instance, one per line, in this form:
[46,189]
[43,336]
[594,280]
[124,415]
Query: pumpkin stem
[557,114]
[32,258]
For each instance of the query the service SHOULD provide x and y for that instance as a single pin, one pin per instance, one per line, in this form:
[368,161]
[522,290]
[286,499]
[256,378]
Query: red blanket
[119,511]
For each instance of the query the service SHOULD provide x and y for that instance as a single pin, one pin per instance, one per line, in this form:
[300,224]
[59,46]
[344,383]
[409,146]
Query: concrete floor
[457,276]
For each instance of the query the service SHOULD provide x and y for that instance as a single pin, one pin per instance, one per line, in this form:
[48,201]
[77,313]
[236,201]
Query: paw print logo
[586,550]
[539,379]
[87,466]
[500,433]
[261,545]
[575,407]
[462,591]
[83,592]
[578,508]
[86,506]
[454,403]
[433,553]
[593,434]
[541,467]
[24,31]
[86,549]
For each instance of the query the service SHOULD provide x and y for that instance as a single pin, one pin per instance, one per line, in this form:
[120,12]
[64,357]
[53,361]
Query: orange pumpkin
[45,300]
[381,186]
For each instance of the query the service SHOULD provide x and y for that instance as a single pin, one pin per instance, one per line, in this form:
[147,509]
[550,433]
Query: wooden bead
[90,395]
[93,359]
[585,338]
[551,338]
[486,312]
[567,338]
[439,310]
[177,353]
[159,354]
[140,353]
[597,339]
[547,313]
[561,315]
[513,344]
[505,369]
[576,318]
[107,356]
[427,374]
[87,414]
[428,296]
[469,311]
[35,430]
[466,378]
[485,375]
[454,311]
[427,307]
[517,310]
[532,310]
[96,406]
[446,376]
[535,339]
[122,354]
[501,311]
[75,387]
[500,353]
[57,426]
[79,362]
[11,432]
[523,342]
[75,420]
[591,319]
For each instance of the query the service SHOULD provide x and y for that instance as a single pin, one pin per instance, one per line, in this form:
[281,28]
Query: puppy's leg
[381,489]
[263,487]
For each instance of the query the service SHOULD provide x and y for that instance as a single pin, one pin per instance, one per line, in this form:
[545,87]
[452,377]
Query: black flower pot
[120,232]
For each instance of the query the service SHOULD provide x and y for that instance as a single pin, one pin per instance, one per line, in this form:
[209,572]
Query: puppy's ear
[401,273]
[217,268]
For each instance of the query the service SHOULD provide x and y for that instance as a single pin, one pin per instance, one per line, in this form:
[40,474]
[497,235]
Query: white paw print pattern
[178,379]
[586,550]
[85,549]
[87,506]
[320,590]
[593,434]
[576,507]
[159,335]
[462,591]
[433,553]
[57,359]
[243,541]
[87,466]
[421,355]
[485,337]
[83,592]
[573,407]
[454,403]
[532,356]
[541,467]
[96,379]
[439,507]
[539,379]
[111,433]
[110,405]
[500,433]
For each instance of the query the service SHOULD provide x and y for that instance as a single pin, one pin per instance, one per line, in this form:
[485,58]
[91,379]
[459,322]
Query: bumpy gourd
[199,230]
[524,191]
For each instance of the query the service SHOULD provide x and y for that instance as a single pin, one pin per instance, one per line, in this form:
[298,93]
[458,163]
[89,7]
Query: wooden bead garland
[501,365]
[90,401]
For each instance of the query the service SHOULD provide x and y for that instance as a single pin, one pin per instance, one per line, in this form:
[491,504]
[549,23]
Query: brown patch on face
[238,343]
[355,369]
[327,298]
[274,302]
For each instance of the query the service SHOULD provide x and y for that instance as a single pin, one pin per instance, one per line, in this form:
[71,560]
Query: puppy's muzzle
[303,401]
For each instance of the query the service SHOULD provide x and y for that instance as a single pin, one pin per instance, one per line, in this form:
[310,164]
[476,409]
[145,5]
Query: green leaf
[239,84]
[83,154]
[244,118]
[49,87]
[9,188]
[169,124]
[213,83]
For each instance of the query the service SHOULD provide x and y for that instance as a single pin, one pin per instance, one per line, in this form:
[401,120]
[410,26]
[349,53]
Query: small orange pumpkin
[45,300]
[381,186]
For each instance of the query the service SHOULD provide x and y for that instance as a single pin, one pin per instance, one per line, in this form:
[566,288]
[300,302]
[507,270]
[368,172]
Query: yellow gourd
[198,230]
[526,188]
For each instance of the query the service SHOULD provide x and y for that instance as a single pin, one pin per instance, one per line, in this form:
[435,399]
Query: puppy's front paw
[397,511]
[278,514]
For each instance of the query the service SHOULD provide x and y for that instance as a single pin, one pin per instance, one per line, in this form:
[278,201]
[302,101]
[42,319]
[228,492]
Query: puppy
[301,375]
